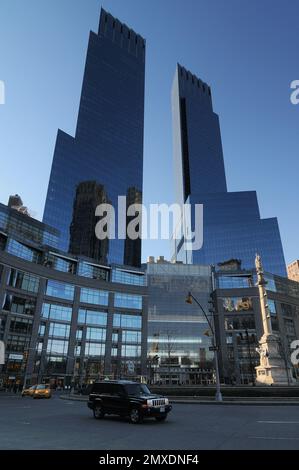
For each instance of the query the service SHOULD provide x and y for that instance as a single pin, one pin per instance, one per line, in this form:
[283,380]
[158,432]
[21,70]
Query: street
[63,424]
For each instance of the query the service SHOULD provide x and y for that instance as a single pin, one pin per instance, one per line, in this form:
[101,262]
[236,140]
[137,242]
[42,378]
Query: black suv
[125,398]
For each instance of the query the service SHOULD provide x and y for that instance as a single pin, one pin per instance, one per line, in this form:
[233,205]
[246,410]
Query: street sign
[213,348]
[16,357]
[131,366]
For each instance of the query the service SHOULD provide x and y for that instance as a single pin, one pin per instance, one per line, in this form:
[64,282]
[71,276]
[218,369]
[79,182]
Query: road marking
[275,438]
[279,422]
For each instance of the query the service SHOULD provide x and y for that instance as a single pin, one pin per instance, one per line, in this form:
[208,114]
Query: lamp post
[189,300]
[152,362]
[250,358]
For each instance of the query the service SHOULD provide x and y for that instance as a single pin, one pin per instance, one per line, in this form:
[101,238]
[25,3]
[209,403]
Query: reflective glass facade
[232,227]
[66,319]
[178,349]
[93,296]
[61,290]
[127,277]
[108,143]
[22,226]
[128,301]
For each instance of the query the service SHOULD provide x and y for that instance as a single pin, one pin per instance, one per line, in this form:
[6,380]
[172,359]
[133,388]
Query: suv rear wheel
[135,416]
[98,412]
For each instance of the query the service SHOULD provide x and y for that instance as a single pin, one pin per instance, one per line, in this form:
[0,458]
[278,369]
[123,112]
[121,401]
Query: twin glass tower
[104,160]
[232,226]
[107,150]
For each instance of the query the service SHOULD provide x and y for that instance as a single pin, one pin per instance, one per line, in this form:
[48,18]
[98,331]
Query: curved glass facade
[178,349]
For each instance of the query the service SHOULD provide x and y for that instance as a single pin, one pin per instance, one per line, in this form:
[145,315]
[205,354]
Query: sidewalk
[255,401]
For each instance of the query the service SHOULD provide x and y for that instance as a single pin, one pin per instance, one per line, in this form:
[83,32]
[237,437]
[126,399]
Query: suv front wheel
[135,416]
[98,412]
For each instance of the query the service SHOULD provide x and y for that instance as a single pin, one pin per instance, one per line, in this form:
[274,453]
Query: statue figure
[263,356]
[258,263]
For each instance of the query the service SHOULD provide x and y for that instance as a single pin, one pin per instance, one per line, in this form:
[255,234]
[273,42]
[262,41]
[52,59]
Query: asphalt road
[62,424]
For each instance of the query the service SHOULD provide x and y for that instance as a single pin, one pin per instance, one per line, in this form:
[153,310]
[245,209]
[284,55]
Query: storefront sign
[237,304]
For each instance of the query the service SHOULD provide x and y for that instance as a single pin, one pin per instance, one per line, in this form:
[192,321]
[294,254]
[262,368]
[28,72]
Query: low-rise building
[239,324]
[66,319]
[293,270]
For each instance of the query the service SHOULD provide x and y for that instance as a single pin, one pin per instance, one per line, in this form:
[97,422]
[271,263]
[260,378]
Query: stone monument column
[272,369]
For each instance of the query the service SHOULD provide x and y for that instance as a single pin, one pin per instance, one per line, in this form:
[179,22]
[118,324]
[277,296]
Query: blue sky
[246,50]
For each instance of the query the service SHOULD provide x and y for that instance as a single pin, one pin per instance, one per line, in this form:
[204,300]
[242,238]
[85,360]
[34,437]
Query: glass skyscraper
[108,144]
[232,226]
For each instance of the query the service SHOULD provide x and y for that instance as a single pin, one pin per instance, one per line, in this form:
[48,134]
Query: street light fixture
[189,300]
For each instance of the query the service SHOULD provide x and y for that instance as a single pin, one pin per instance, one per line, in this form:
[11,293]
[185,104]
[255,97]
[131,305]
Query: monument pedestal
[272,369]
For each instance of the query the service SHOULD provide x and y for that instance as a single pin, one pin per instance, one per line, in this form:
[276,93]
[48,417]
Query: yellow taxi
[28,392]
[42,391]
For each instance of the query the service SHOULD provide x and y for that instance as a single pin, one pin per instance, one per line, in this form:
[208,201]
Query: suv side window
[119,390]
[96,388]
[101,388]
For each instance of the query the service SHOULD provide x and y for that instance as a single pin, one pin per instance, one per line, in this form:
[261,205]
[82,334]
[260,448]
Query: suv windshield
[137,389]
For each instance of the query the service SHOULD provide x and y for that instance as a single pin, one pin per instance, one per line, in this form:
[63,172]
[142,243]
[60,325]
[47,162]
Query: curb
[209,402]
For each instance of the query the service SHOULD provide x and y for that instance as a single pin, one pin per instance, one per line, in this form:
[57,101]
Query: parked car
[126,398]
[29,391]
[42,391]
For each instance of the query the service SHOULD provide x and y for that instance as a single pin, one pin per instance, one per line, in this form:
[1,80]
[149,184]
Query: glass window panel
[127,321]
[24,281]
[272,307]
[128,301]
[60,289]
[22,251]
[230,282]
[57,346]
[59,329]
[94,349]
[131,336]
[93,296]
[98,334]
[130,351]
[57,312]
[124,277]
[79,334]
[93,271]
[92,317]
[17,304]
